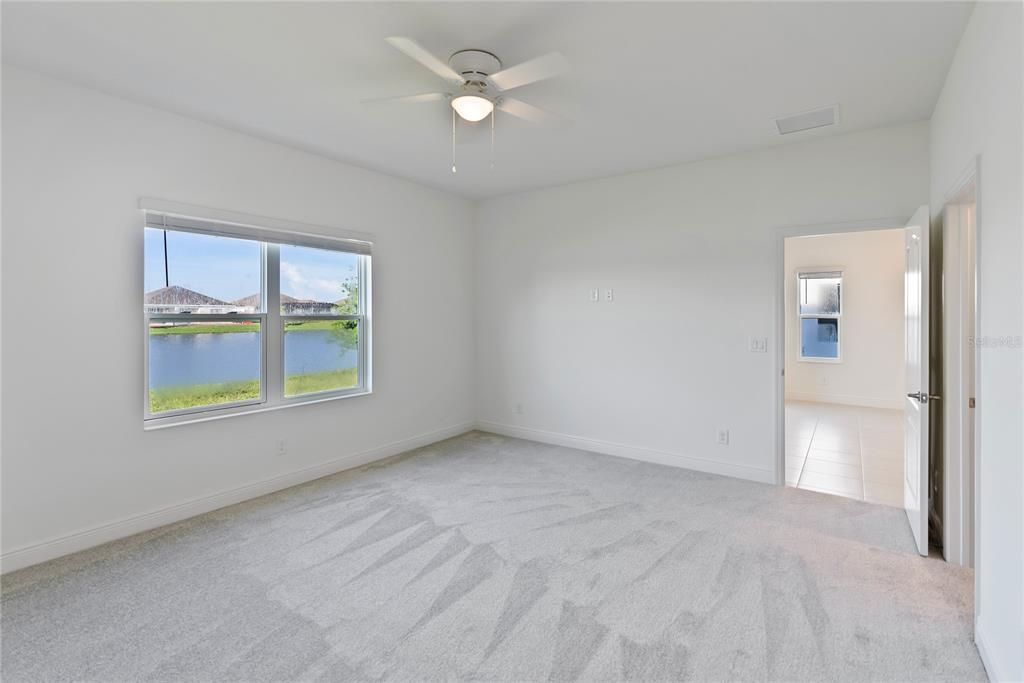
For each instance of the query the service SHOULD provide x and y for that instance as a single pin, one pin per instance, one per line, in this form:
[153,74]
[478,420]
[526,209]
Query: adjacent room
[845,365]
[547,341]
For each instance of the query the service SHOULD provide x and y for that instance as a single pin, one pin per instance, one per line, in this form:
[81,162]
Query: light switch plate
[595,294]
[609,294]
[759,344]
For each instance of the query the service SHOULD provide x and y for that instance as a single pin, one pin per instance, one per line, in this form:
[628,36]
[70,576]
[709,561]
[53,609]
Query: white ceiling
[651,84]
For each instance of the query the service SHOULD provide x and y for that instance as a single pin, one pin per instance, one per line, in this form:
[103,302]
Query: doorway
[844,327]
[959,334]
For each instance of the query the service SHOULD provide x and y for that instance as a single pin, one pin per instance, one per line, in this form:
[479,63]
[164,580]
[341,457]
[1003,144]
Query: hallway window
[820,309]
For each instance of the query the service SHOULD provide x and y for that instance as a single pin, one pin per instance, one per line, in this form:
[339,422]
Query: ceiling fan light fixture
[472,107]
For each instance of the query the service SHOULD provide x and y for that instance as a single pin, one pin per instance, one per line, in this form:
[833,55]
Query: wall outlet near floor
[282,448]
[723,437]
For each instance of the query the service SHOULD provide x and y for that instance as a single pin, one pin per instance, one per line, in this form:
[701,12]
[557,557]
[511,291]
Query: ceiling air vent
[816,118]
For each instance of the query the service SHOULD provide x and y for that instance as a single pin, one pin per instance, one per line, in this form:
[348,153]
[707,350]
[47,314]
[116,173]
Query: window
[239,318]
[820,309]
[320,309]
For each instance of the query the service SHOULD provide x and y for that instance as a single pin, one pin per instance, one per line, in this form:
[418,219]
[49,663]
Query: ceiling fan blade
[413,49]
[526,111]
[410,99]
[530,71]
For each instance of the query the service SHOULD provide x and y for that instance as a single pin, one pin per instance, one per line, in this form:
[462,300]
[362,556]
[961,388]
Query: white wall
[652,374]
[871,371]
[980,113]
[690,253]
[75,456]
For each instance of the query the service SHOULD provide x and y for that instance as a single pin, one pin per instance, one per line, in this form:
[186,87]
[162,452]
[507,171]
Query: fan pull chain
[492,137]
[453,141]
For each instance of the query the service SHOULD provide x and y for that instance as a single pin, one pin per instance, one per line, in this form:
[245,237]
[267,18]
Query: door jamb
[779,326]
[972,174]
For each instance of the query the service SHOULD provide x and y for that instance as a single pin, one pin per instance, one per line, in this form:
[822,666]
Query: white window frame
[279,320]
[271,234]
[803,274]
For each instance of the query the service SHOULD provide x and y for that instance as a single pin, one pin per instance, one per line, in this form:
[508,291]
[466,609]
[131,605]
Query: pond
[190,359]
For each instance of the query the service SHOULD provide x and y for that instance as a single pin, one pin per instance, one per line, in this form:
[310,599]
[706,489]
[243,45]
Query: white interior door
[915,405]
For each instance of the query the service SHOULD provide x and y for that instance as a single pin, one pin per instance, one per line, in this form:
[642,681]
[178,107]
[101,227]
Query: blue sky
[229,269]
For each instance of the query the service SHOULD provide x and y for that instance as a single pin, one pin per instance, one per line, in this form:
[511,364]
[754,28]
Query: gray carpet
[490,558]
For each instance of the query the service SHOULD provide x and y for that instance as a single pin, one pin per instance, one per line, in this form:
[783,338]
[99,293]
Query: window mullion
[274,348]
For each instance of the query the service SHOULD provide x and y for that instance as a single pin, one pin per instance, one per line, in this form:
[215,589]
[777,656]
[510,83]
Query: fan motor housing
[474,65]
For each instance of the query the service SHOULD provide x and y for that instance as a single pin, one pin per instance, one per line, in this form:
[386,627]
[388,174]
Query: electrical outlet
[609,294]
[723,437]
[282,448]
[595,294]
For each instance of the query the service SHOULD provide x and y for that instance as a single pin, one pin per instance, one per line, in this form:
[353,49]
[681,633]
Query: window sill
[820,360]
[193,418]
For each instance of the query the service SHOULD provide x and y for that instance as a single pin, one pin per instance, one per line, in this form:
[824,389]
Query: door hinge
[970,402]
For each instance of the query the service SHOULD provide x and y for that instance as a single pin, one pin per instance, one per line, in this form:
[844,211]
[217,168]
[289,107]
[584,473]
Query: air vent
[816,118]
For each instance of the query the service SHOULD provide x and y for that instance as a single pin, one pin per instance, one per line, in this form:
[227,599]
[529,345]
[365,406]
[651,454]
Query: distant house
[251,303]
[175,299]
[290,305]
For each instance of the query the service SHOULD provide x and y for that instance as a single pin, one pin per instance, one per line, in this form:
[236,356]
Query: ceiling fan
[478,83]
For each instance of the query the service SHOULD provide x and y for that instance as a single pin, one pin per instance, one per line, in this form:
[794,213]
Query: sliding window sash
[205,318]
[362,355]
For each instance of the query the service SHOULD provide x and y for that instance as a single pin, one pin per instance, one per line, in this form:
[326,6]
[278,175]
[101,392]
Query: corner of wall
[474,221]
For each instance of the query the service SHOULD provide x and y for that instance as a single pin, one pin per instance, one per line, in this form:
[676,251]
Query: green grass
[233,328]
[313,325]
[179,398]
[226,328]
[321,381]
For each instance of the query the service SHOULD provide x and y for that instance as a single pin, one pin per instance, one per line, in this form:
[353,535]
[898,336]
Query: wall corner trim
[997,671]
[29,555]
[764,476]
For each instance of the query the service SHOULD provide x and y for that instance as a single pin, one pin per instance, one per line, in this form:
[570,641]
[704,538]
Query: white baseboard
[998,672]
[847,400]
[632,452]
[88,538]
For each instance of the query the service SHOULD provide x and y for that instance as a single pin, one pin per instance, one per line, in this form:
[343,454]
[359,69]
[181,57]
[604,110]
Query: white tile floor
[846,451]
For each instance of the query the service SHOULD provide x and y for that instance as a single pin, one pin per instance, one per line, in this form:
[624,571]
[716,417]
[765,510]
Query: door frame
[960,484]
[779,324]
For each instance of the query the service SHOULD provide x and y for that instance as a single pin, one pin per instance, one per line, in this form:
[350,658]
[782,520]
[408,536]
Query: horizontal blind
[163,220]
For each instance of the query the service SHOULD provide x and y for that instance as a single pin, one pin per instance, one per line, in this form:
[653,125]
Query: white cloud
[295,283]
